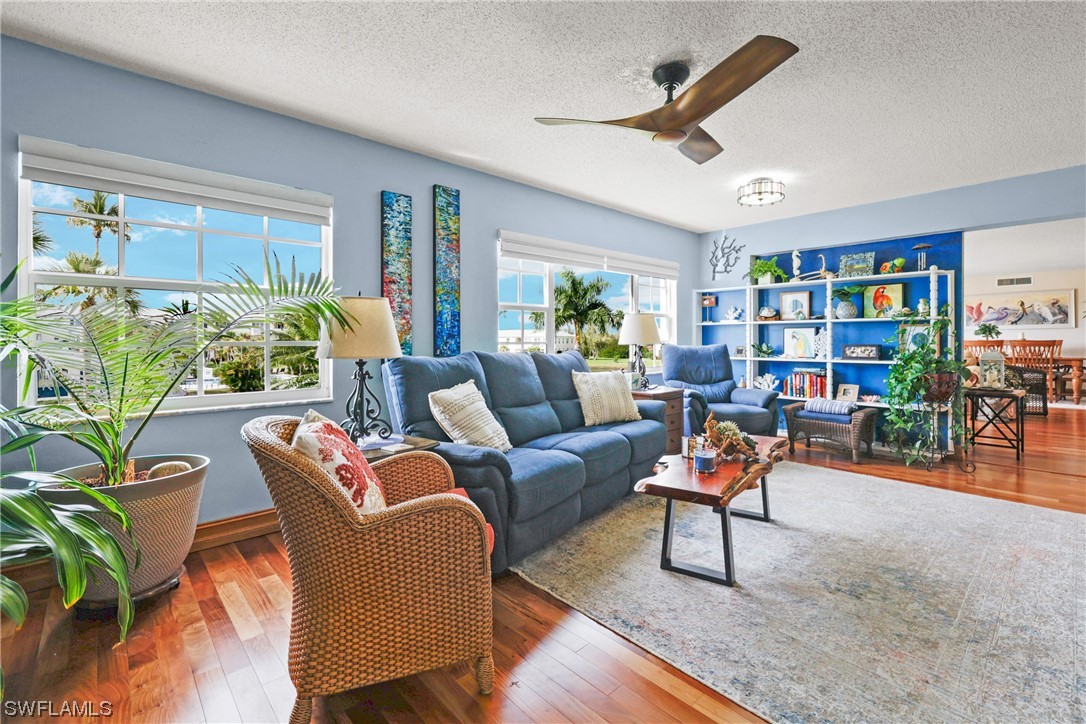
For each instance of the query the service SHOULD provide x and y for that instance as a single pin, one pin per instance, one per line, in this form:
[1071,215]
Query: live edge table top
[679,481]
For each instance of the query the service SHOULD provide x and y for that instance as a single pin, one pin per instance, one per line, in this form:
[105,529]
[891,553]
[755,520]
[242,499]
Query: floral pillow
[325,443]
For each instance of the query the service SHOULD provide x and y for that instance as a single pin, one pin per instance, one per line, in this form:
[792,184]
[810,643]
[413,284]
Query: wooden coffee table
[679,482]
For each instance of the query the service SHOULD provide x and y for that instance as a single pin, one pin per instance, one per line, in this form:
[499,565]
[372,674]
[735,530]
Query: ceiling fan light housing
[761,192]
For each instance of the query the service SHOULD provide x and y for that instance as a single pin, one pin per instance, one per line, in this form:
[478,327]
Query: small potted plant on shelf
[103,373]
[846,308]
[989,331]
[764,271]
[762,349]
[923,383]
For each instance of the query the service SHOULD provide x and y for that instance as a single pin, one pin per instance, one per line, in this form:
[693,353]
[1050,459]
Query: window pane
[294,367]
[253,332]
[535,332]
[509,330]
[535,267]
[296,329]
[160,253]
[531,289]
[70,198]
[618,296]
[86,295]
[235,369]
[223,253]
[68,243]
[164,211]
[293,230]
[306,258]
[507,286]
[233,221]
[158,303]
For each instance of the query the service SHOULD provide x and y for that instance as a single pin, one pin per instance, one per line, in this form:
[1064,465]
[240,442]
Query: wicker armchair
[858,431]
[379,596]
[1034,382]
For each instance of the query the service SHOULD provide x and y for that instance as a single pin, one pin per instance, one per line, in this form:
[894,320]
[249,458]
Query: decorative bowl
[870,398]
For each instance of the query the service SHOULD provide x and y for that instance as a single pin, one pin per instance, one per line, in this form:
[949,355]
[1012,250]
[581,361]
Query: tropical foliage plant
[111,370]
[989,331]
[921,365]
[578,303]
[845,294]
[762,349]
[766,267]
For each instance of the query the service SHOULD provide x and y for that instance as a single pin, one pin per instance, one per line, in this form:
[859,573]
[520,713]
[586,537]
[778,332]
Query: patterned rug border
[889,482]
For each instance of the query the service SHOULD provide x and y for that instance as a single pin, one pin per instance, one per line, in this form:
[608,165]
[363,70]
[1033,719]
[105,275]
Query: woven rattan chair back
[1038,354]
[377,596]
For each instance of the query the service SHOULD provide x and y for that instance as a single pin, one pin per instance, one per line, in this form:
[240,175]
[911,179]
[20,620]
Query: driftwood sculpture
[728,441]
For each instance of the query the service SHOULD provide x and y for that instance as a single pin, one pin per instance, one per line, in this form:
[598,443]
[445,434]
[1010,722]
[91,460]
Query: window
[98,225]
[532,272]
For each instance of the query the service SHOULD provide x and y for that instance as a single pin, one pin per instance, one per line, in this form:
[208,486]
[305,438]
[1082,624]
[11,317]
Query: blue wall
[1047,196]
[57,96]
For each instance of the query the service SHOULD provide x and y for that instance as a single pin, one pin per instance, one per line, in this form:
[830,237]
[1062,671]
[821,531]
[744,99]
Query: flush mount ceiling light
[761,192]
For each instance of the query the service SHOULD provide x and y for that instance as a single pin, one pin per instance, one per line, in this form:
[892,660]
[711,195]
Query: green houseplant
[989,331]
[846,308]
[111,371]
[924,382]
[764,271]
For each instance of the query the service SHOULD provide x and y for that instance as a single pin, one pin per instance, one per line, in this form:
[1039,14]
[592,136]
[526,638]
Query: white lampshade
[372,334]
[638,328]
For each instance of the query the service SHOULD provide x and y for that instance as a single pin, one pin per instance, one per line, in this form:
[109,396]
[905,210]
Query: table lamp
[372,336]
[638,329]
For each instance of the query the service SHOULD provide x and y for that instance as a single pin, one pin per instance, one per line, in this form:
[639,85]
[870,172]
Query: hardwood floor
[1051,473]
[215,649]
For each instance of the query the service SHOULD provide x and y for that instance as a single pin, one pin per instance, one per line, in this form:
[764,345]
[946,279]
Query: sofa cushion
[720,392]
[463,415]
[605,397]
[556,374]
[824,417]
[541,479]
[409,380]
[603,453]
[517,397]
[746,417]
[647,438]
[831,407]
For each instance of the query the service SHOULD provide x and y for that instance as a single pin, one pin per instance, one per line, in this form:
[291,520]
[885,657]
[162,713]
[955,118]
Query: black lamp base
[364,424]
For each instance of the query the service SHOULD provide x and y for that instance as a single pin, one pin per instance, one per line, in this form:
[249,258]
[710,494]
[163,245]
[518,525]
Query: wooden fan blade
[699,146]
[724,83]
[621,123]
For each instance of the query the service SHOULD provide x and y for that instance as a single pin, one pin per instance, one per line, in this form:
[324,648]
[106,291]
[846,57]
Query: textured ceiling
[883,100]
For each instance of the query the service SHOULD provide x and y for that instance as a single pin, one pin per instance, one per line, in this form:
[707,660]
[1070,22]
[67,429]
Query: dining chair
[1038,354]
[980,346]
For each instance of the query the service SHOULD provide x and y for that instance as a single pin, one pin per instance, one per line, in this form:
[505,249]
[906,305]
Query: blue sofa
[705,375]
[559,471]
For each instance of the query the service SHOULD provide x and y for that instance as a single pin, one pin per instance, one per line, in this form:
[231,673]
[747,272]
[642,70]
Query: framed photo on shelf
[799,342]
[883,301]
[708,300]
[741,350]
[848,393]
[857,265]
[860,351]
[795,305]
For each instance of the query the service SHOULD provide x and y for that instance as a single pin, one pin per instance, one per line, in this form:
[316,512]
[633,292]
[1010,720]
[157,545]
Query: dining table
[1062,366]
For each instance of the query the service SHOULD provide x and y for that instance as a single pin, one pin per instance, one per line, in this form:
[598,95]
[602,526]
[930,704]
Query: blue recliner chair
[705,375]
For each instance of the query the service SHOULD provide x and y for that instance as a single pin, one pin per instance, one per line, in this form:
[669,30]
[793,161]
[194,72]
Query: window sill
[245,406]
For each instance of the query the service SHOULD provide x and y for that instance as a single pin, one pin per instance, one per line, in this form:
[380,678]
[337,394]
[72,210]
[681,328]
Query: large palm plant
[578,302]
[116,369]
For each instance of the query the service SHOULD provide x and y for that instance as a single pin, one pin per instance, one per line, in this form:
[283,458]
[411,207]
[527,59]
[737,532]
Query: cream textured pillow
[605,397]
[464,417]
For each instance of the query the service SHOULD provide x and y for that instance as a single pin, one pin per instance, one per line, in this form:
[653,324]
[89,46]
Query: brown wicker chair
[861,431]
[378,596]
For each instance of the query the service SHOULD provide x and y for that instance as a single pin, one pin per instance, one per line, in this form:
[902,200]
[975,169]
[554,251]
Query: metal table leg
[691,569]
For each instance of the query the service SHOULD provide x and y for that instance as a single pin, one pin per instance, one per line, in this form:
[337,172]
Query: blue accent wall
[57,96]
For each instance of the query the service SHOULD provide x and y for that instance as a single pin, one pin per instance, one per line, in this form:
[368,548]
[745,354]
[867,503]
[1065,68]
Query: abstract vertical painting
[396,261]
[446,271]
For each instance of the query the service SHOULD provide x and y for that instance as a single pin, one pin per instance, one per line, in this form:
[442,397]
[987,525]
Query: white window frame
[63,164]
[587,259]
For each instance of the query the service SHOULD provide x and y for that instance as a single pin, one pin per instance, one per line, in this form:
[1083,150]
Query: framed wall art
[799,342]
[848,393]
[857,265]
[446,271]
[396,262]
[795,305]
[883,301]
[860,351]
[1023,309]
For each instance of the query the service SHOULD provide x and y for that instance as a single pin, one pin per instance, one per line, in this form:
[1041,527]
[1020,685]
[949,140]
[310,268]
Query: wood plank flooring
[215,649]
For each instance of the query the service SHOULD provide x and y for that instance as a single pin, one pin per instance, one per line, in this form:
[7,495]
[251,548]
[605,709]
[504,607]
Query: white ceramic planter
[163,513]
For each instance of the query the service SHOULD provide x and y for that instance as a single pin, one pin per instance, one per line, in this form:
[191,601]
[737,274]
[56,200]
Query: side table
[997,418]
[673,415]
[415,443]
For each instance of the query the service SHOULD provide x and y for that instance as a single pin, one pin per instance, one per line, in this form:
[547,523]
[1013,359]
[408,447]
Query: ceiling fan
[677,123]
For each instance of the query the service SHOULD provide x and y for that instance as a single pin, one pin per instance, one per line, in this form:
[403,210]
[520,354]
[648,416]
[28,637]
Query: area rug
[865,600]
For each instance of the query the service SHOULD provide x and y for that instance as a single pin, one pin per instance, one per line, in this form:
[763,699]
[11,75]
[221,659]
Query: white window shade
[70,165]
[515,245]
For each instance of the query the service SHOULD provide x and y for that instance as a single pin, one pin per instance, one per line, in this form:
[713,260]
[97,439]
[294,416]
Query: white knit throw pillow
[463,415]
[605,397]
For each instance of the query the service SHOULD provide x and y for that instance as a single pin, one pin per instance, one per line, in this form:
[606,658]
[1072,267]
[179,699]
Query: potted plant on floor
[924,383]
[764,271]
[111,371]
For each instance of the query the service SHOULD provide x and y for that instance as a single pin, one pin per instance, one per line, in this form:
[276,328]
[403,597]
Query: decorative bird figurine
[882,302]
